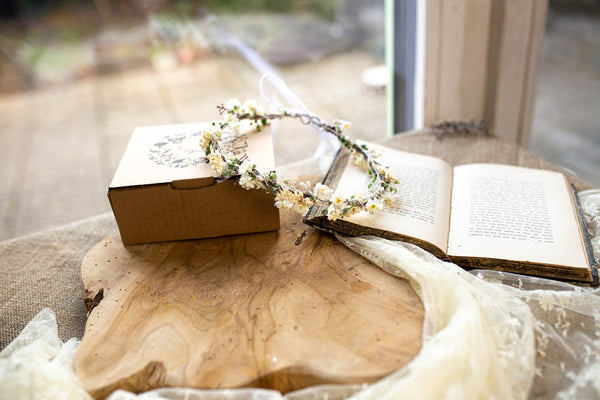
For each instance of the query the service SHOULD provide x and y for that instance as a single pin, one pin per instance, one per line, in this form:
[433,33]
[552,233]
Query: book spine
[587,240]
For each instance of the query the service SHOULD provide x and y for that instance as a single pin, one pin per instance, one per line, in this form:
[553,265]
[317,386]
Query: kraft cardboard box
[164,189]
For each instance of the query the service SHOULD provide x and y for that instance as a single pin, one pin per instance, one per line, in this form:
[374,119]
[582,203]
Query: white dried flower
[387,197]
[387,175]
[303,206]
[236,127]
[305,186]
[210,134]
[217,162]
[250,106]
[281,202]
[333,213]
[322,192]
[342,125]
[203,143]
[230,157]
[372,206]
[248,178]
[231,120]
[248,182]
[288,198]
[358,160]
[337,201]
[246,168]
[232,104]
[375,152]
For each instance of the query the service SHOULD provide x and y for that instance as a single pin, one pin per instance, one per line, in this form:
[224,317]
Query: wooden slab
[282,310]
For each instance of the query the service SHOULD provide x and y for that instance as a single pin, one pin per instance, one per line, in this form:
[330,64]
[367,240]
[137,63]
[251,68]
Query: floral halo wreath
[304,195]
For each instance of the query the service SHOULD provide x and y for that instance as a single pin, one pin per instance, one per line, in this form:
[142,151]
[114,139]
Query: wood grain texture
[282,310]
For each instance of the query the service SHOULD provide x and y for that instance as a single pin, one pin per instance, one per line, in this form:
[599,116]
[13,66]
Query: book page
[422,205]
[514,213]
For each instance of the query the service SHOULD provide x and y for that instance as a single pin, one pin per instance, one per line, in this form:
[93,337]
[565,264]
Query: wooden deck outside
[61,145]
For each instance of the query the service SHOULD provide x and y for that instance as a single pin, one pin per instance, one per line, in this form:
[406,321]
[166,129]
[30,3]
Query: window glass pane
[76,77]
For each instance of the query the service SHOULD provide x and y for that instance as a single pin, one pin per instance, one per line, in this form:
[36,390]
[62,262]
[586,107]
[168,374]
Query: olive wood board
[282,310]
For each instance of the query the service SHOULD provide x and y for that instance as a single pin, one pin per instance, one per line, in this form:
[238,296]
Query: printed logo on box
[183,150]
[178,151]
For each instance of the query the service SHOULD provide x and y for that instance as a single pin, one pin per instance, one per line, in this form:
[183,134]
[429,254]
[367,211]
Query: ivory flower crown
[302,196]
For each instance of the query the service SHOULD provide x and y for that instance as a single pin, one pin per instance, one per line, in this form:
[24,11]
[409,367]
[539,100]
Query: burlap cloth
[43,269]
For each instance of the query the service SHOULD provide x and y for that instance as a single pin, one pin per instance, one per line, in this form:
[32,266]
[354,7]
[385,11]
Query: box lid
[171,153]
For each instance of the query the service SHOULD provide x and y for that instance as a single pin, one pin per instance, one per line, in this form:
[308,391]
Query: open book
[492,216]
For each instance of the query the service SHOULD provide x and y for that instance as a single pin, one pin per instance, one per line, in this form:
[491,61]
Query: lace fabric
[478,342]
[37,365]
[567,332]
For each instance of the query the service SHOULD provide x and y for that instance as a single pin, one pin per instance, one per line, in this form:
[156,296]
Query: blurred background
[77,76]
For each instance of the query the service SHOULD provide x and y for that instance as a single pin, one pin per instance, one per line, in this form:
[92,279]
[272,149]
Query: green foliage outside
[325,9]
